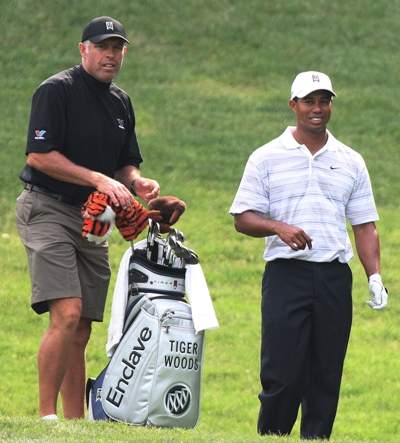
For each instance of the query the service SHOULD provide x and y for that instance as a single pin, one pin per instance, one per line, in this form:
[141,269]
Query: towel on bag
[196,289]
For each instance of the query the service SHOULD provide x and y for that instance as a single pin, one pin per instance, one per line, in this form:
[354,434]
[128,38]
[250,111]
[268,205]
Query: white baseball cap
[310,81]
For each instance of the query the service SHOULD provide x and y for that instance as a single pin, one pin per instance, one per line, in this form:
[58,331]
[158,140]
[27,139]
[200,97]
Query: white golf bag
[154,374]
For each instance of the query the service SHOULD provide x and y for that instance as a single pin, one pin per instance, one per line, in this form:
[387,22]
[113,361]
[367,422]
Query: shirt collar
[92,81]
[289,142]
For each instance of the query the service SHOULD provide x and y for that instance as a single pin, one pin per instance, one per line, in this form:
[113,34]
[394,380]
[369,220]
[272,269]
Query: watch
[132,187]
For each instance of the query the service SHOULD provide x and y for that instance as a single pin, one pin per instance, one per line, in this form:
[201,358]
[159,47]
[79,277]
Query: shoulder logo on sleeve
[121,123]
[39,134]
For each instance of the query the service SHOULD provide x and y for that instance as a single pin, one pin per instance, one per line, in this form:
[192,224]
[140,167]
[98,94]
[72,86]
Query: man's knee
[65,313]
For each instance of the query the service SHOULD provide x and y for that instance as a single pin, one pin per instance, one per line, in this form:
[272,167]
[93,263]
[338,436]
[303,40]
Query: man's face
[103,60]
[313,111]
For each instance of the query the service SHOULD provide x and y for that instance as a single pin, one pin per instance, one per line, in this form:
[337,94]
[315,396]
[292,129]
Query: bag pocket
[175,394]
[127,383]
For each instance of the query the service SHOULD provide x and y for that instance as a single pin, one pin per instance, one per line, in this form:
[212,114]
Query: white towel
[196,289]
[120,297]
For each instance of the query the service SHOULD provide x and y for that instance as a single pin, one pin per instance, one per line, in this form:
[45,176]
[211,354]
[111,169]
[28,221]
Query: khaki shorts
[62,263]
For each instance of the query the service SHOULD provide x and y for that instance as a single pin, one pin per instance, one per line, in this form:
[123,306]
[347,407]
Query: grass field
[210,82]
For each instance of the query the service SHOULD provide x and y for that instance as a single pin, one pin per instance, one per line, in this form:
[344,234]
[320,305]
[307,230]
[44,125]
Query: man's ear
[82,49]
[292,105]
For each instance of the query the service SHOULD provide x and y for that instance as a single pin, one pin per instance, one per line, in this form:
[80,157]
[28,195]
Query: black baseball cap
[104,27]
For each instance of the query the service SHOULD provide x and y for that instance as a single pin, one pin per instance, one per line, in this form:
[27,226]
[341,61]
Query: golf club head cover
[171,209]
[132,220]
[100,214]
[96,231]
[98,217]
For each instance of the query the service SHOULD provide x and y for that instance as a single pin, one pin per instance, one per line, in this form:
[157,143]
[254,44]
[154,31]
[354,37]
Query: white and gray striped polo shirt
[285,182]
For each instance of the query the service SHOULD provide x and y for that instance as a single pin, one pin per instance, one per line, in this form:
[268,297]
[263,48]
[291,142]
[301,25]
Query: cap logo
[110,26]
[315,78]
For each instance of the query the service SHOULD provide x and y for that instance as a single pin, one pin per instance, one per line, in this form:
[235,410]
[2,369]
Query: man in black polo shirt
[81,138]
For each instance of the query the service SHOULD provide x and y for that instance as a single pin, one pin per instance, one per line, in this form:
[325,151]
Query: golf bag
[154,374]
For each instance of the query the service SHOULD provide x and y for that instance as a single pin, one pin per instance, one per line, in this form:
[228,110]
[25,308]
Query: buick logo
[177,399]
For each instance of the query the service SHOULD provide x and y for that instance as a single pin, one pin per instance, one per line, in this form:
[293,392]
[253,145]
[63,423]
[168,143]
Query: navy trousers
[306,320]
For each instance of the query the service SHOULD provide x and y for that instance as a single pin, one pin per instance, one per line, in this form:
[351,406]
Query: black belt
[59,197]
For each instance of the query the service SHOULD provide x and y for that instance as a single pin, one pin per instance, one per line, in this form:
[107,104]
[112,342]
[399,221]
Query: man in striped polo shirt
[298,191]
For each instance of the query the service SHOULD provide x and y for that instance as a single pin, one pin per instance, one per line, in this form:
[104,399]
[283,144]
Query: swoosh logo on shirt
[335,167]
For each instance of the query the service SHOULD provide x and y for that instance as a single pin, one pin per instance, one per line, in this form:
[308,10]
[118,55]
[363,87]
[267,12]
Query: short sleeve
[47,124]
[361,206]
[252,194]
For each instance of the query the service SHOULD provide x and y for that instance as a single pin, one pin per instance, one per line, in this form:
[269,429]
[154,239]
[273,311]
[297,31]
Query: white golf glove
[379,294]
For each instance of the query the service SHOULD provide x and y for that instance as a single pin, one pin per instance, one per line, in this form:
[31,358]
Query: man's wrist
[95,179]
[275,227]
[375,278]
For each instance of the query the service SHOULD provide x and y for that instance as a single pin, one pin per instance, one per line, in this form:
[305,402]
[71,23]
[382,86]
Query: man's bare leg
[54,351]
[73,385]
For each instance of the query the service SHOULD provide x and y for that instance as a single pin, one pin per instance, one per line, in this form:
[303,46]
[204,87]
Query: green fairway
[210,82]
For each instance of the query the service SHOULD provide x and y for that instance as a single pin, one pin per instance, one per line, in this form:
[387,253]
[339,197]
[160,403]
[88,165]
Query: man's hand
[379,294]
[146,188]
[293,236]
[118,193]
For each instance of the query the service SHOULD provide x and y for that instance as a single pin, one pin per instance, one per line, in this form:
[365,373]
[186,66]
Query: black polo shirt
[90,122]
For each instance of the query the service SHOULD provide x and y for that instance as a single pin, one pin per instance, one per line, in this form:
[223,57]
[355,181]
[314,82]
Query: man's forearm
[255,225]
[59,167]
[368,248]
[56,165]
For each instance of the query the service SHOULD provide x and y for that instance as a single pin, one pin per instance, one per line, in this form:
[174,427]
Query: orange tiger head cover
[98,217]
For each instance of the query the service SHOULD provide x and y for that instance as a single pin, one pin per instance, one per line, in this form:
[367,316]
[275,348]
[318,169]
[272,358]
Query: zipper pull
[164,318]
